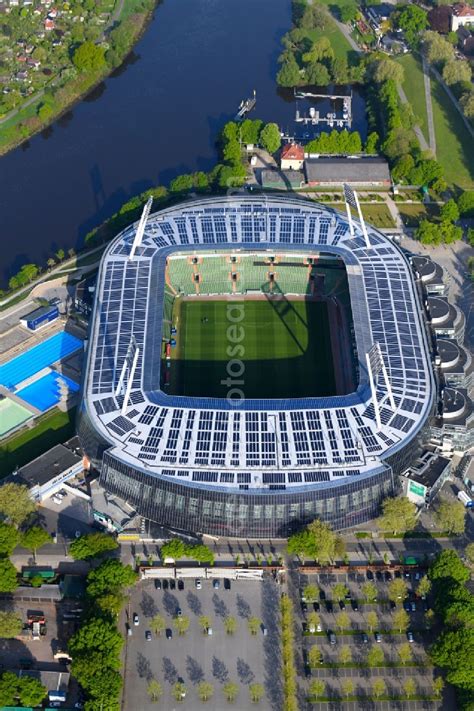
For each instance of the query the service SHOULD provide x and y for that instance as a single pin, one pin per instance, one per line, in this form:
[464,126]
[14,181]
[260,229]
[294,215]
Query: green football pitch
[278,348]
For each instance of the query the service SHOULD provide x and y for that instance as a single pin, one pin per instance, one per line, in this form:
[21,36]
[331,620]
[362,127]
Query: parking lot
[361,634]
[194,657]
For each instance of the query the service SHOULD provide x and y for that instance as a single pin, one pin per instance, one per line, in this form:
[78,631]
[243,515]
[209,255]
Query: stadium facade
[253,468]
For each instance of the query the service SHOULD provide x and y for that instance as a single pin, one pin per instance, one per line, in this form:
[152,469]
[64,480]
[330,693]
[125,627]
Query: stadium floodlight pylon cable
[351,198]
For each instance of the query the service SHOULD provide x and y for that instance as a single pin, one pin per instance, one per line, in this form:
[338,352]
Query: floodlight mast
[351,198]
[137,240]
[375,366]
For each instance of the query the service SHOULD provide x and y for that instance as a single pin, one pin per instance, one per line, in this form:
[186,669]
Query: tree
[437,49]
[317,688]
[424,586]
[398,515]
[157,624]
[342,620]
[401,620]
[372,620]
[429,619]
[230,624]
[250,130]
[348,687]
[397,590]
[60,254]
[340,591]
[179,691]
[438,686]
[379,687]
[372,143]
[450,211]
[9,538]
[317,73]
[454,650]
[231,691]
[313,621]
[175,548]
[89,57]
[387,69]
[317,541]
[181,623]
[340,70]
[412,20]
[181,184]
[270,138]
[369,590]
[201,553]
[314,656]
[405,653]
[448,566]
[10,625]
[467,104]
[154,690]
[451,516]
[310,593]
[8,689]
[466,204]
[470,552]
[96,635]
[15,503]
[50,262]
[205,690]
[345,654]
[348,12]
[8,576]
[375,656]
[232,152]
[320,49]
[455,71]
[256,693]
[92,545]
[289,74]
[110,575]
[111,603]
[34,538]
[409,687]
[31,692]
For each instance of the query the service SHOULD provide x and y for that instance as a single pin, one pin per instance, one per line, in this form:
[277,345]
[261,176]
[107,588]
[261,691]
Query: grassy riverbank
[126,29]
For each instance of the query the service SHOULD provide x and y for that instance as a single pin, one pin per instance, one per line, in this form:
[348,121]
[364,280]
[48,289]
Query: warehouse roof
[350,170]
[47,466]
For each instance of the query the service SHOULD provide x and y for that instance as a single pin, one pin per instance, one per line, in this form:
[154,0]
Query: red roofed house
[462,15]
[48,25]
[292,157]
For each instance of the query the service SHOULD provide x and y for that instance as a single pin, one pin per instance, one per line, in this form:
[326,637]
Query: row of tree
[453,604]
[342,142]
[290,702]
[178,549]
[318,687]
[29,272]
[24,691]
[95,648]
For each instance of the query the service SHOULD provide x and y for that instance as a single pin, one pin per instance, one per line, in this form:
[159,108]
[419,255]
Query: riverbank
[133,17]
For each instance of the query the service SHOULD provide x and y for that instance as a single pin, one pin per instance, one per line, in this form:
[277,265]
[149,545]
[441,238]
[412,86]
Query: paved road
[429,106]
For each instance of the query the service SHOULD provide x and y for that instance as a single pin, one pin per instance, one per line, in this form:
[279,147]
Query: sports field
[279,348]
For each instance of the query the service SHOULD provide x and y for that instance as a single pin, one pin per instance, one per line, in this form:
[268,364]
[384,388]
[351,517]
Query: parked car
[136,620]
[304,607]
[216,584]
[354,605]
[413,606]
[172,585]
[329,607]
[322,595]
[377,637]
[179,612]
[148,636]
[129,630]
[370,575]
[180,584]
[406,605]
[264,631]
[342,604]
[388,576]
[378,575]
[169,633]
[332,638]
[410,637]
[165,585]
[316,606]
[198,584]
[392,605]
[398,574]
[157,584]
[226,584]
[364,638]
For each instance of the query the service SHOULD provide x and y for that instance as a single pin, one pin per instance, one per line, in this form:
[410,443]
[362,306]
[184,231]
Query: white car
[198,584]
[57,499]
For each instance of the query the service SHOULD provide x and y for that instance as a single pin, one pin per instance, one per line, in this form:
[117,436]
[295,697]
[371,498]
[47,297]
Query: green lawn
[413,213]
[339,43]
[454,144]
[413,85]
[284,349]
[53,428]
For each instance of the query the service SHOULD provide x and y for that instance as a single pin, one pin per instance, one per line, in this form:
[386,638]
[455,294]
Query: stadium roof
[262,443]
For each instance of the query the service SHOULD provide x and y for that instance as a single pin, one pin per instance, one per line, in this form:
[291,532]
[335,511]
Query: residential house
[48,25]
[292,157]
[462,15]
[358,172]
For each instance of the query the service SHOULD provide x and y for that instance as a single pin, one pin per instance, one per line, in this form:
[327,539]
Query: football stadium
[254,363]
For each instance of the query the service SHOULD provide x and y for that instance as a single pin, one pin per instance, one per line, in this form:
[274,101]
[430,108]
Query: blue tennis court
[46,392]
[32,361]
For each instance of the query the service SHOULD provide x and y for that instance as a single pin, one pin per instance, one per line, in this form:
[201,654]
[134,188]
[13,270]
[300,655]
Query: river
[156,117]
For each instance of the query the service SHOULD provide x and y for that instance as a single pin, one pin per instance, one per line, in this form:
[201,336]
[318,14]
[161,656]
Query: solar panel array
[264,443]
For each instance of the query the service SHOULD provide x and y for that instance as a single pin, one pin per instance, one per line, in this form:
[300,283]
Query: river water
[156,117]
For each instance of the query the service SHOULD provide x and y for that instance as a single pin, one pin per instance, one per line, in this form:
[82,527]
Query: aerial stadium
[254,363]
